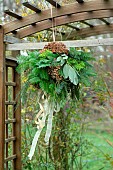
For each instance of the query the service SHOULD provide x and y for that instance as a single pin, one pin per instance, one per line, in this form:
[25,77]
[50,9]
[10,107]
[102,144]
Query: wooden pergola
[11,39]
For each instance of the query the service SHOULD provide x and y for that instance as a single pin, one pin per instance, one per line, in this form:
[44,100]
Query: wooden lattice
[12,118]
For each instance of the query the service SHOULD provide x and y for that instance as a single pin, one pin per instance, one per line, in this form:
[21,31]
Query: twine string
[53,26]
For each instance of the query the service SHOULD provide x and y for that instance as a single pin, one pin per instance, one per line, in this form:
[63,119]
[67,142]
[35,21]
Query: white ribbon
[47,110]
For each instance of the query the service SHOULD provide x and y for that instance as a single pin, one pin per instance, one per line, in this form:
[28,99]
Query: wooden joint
[10,158]
[57,31]
[32,7]
[10,103]
[73,27]
[10,139]
[86,23]
[8,121]
[80,1]
[10,84]
[33,24]
[13,14]
[103,20]
[55,4]
[14,32]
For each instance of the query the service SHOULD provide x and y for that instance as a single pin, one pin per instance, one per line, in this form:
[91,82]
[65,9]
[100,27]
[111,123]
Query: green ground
[101,153]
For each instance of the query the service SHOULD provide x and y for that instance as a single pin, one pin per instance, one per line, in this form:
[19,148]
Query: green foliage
[74,70]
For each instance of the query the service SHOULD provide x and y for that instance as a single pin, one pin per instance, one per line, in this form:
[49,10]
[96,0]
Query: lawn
[96,152]
[101,152]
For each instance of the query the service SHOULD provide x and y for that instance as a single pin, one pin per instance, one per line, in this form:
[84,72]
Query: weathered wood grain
[74,43]
[57,12]
[2,100]
[64,20]
[17,163]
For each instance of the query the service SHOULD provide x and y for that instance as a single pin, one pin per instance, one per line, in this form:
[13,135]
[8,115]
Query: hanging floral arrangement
[58,73]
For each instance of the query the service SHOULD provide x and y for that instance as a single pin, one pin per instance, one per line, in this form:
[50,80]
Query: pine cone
[57,47]
[54,73]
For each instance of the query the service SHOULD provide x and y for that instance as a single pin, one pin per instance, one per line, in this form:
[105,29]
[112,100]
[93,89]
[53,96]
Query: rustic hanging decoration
[57,72]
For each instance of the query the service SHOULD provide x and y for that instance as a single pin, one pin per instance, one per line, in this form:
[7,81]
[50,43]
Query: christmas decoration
[57,73]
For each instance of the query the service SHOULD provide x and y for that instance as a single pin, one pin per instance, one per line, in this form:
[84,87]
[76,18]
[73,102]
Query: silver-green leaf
[68,71]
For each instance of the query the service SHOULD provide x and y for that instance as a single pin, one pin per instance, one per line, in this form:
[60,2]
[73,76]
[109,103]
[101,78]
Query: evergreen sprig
[75,69]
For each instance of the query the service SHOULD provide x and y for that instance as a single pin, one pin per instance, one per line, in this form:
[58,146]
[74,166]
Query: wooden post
[2,100]
[17,115]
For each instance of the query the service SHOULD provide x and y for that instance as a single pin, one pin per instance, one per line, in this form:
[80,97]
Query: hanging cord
[53,25]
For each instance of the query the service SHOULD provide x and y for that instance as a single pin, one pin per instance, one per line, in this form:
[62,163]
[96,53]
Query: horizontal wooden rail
[75,43]
[10,62]
[10,121]
[11,59]
[10,39]
[10,139]
[10,84]
[10,103]
[10,158]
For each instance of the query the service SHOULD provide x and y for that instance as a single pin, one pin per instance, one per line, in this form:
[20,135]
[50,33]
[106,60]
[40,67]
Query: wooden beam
[13,14]
[2,100]
[54,3]
[57,12]
[106,22]
[72,26]
[64,20]
[87,32]
[76,43]
[11,39]
[86,23]
[32,7]
[97,30]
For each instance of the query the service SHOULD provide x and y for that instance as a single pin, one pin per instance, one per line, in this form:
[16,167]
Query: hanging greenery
[57,73]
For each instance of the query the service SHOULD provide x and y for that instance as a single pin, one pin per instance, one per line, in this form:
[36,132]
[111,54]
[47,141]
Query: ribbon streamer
[40,124]
[49,124]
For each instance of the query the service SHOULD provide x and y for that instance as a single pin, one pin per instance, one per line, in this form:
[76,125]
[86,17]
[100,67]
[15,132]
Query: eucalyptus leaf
[59,58]
[62,59]
[73,76]
[70,72]
[66,71]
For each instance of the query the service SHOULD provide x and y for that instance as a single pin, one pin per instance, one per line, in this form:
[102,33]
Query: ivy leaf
[71,73]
